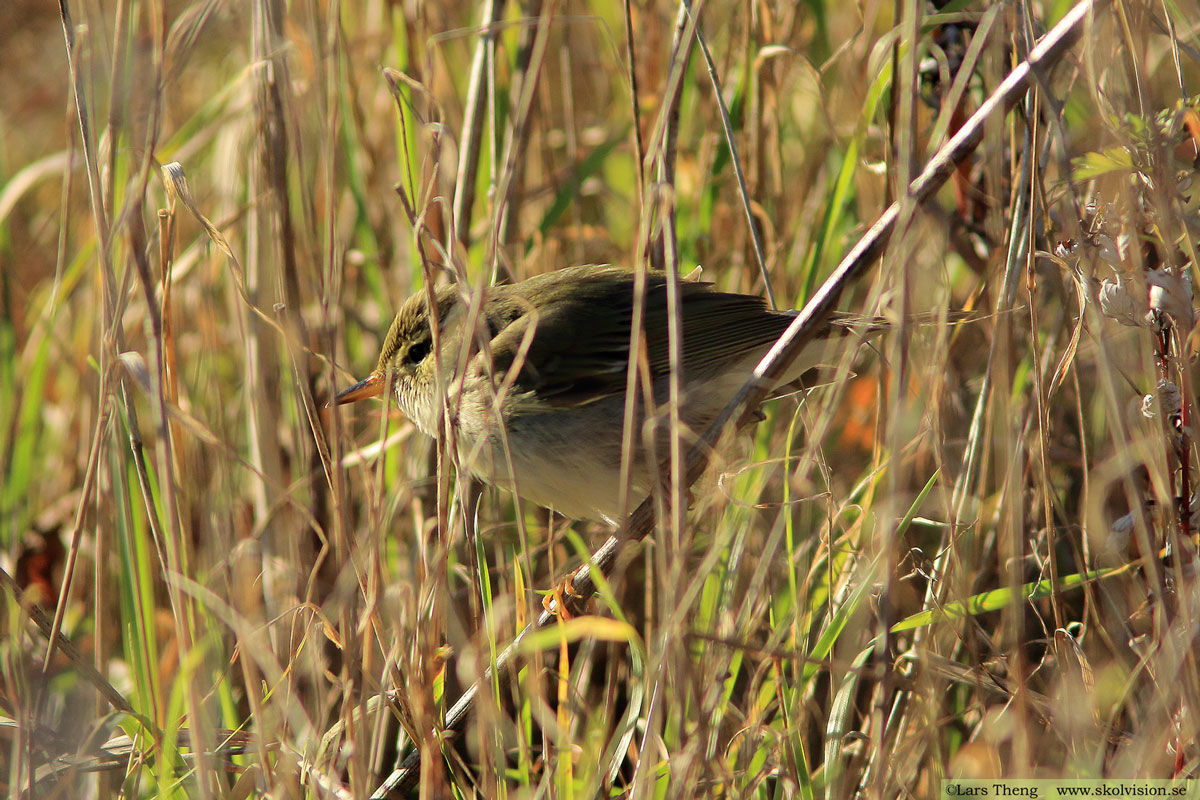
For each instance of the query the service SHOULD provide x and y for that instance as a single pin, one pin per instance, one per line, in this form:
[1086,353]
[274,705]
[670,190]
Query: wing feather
[581,325]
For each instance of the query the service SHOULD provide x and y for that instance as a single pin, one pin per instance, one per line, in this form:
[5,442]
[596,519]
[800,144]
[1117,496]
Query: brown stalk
[530,60]
[101,222]
[472,128]
[639,148]
[664,254]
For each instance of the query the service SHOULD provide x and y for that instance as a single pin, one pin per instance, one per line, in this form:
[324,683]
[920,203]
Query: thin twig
[471,137]
[639,149]
[530,58]
[736,161]
[663,143]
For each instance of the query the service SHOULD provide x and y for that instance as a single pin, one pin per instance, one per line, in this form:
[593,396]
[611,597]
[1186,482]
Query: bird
[534,375]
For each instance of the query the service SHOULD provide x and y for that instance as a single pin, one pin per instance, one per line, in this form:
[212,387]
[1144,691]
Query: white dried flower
[1119,302]
[1170,396]
[1166,397]
[1064,249]
[1171,295]
[1149,406]
[1107,250]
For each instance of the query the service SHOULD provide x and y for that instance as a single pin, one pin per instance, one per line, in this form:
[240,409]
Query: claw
[556,601]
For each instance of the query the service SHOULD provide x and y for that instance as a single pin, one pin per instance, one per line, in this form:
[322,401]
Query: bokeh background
[967,549]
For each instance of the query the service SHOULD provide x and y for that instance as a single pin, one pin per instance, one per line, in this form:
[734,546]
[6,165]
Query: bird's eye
[417,351]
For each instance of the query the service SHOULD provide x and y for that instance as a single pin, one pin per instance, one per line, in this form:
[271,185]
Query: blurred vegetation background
[969,550]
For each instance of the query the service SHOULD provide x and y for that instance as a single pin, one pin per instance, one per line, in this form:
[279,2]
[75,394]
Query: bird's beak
[371,386]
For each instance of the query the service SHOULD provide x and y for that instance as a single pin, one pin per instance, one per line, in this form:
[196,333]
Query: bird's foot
[563,595]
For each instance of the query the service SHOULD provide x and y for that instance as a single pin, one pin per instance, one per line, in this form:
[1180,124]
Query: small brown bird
[534,375]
